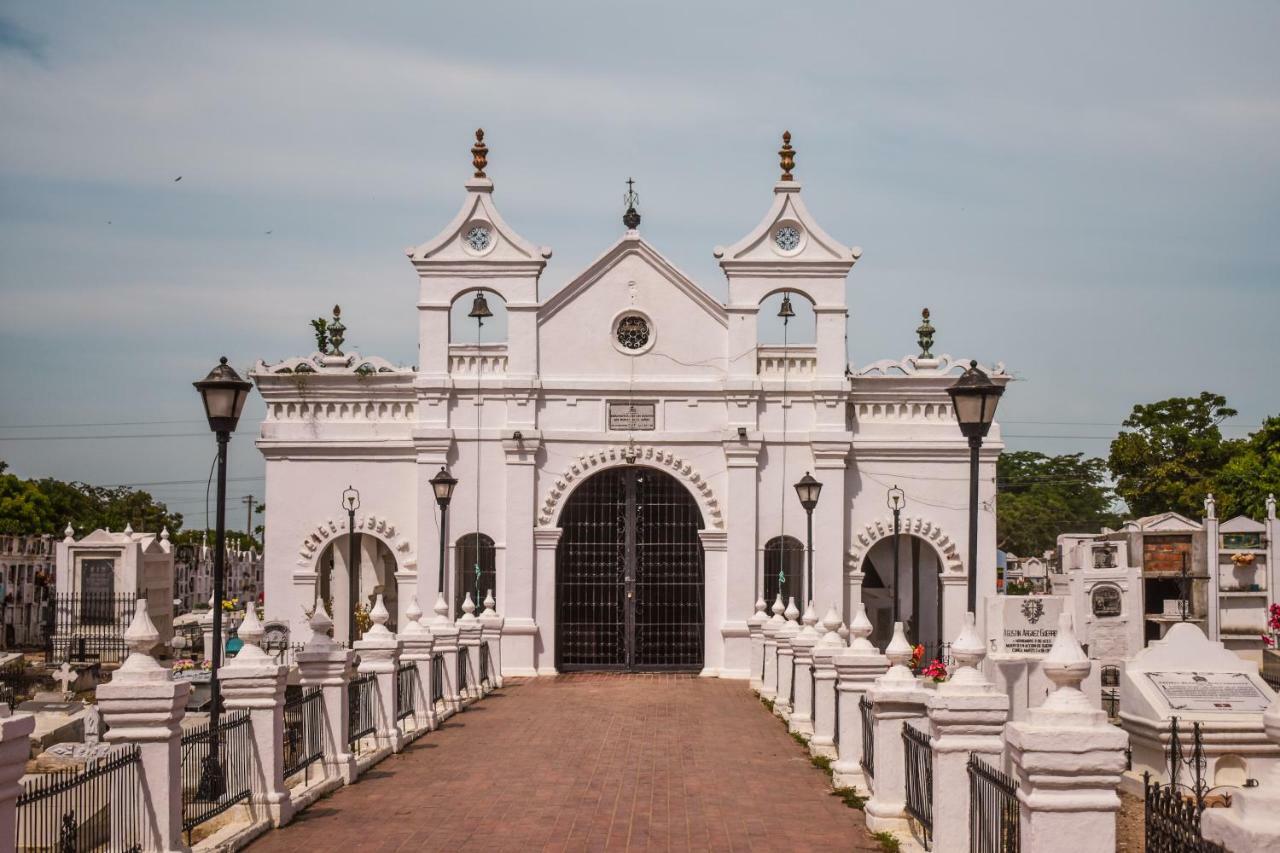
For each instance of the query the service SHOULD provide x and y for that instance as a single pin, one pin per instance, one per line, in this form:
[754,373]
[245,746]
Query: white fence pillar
[769,662]
[966,715]
[857,668]
[15,749]
[492,622]
[823,742]
[418,646]
[469,631]
[801,721]
[1067,760]
[755,657]
[1252,822]
[323,663]
[143,705]
[786,660]
[255,683]
[896,698]
[446,634]
[379,652]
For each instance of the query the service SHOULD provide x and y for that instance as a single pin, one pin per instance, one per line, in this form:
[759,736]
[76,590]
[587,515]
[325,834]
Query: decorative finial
[379,617]
[69,535]
[924,335]
[631,218]
[792,612]
[441,610]
[480,153]
[337,331]
[861,629]
[777,610]
[489,602]
[788,156]
[128,529]
[468,609]
[164,534]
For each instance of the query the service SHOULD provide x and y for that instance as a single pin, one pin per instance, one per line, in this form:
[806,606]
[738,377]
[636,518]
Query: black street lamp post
[975,398]
[897,499]
[808,489]
[351,503]
[442,484]
[223,393]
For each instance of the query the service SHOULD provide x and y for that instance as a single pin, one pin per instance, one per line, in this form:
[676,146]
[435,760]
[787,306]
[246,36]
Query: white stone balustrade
[255,683]
[801,718]
[755,633]
[446,634]
[896,699]
[823,742]
[469,638]
[786,660]
[143,705]
[379,652]
[418,646]
[769,660]
[15,749]
[1067,760]
[491,623]
[323,663]
[857,668]
[966,715]
[1252,822]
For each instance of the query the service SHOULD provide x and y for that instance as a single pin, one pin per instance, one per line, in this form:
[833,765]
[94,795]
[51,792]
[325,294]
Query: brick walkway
[591,762]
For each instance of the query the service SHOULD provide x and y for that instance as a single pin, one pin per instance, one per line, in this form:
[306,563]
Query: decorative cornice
[909,525]
[322,364]
[612,457]
[374,525]
[914,365]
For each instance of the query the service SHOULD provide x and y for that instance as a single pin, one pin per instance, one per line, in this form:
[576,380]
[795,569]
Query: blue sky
[1087,192]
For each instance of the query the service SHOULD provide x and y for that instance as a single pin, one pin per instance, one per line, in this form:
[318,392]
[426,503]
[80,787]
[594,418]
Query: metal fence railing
[98,808]
[835,735]
[235,754]
[918,762]
[463,657]
[361,694]
[89,627]
[486,677]
[993,809]
[868,760]
[303,732]
[407,686]
[1171,821]
[437,679]
[8,696]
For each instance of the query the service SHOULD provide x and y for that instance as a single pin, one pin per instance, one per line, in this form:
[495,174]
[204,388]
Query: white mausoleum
[625,452]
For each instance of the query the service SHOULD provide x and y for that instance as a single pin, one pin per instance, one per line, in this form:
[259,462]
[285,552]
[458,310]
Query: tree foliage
[1170,453]
[48,505]
[1041,496]
[1252,473]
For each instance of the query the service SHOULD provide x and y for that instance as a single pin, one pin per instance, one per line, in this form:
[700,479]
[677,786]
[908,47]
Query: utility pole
[248,521]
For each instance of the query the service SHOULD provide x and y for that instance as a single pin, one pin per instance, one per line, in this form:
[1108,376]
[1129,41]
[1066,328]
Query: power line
[97,424]
[101,437]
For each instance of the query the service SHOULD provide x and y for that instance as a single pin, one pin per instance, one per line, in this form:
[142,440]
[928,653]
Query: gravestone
[1188,676]
[1020,632]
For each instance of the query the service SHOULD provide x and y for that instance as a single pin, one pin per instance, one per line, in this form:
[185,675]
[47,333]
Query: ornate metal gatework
[629,574]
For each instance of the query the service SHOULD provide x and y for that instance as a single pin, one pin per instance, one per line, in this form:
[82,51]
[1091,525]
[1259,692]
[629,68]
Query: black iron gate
[629,574]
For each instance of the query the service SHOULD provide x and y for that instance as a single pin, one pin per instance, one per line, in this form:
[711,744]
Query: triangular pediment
[105,537]
[1242,524]
[1168,522]
[632,246]
[478,235]
[789,237]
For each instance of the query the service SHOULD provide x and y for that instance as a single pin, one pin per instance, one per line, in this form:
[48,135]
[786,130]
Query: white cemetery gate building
[626,456]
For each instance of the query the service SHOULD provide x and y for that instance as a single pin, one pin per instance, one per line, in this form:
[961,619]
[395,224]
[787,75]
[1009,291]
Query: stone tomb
[1020,631]
[1188,676]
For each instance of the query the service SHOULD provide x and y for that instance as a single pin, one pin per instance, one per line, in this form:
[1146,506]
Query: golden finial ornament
[480,153]
[787,155]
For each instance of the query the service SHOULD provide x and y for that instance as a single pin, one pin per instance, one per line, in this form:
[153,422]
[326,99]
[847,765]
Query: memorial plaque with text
[632,416]
[1229,692]
[1030,624]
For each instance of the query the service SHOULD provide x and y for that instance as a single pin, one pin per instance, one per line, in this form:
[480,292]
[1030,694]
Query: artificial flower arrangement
[188,664]
[1273,622]
[917,655]
[1242,559]
[363,621]
[935,670]
[230,605]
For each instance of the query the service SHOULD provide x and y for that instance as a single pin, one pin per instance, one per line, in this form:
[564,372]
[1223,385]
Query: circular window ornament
[633,333]
[478,238]
[788,238]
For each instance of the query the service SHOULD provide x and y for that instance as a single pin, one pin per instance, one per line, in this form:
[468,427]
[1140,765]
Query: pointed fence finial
[441,610]
[69,535]
[488,604]
[861,629]
[128,529]
[379,616]
[480,153]
[792,612]
[924,335]
[631,218]
[787,155]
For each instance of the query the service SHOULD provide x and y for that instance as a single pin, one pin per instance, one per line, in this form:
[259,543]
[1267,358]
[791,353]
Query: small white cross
[65,676]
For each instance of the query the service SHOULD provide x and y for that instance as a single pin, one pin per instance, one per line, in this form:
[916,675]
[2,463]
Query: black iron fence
[918,757]
[98,808]
[88,627]
[437,678]
[486,677]
[361,720]
[1271,668]
[835,735]
[407,686]
[303,732]
[1172,821]
[993,809]
[8,696]
[235,755]
[464,657]
[868,760]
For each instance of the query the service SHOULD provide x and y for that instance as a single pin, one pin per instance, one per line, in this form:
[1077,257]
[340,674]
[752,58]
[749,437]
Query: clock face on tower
[478,238]
[787,238]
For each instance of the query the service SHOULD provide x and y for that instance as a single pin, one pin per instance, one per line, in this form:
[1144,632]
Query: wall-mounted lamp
[517,436]
[742,432]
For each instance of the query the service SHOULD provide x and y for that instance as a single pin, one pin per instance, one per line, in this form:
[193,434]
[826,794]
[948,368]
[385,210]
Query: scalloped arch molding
[912,525]
[374,525]
[611,457]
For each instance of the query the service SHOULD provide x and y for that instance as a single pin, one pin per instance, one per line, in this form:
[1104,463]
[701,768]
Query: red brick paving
[591,762]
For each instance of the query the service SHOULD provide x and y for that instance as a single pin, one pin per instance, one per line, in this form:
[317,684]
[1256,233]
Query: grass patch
[850,797]
[821,762]
[798,738]
[889,843]
[768,703]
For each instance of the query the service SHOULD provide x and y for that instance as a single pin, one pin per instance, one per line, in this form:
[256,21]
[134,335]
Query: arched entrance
[377,567]
[918,591]
[629,574]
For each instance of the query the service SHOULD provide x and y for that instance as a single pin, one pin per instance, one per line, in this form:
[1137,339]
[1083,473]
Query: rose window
[478,238]
[633,332]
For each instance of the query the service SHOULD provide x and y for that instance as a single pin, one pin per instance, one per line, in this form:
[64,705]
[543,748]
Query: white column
[446,636]
[717,632]
[323,663]
[517,587]
[1067,759]
[786,660]
[741,461]
[769,632]
[1251,821]
[823,742]
[491,623]
[896,698]
[545,541]
[417,644]
[801,720]
[142,705]
[379,652]
[255,683]
[755,659]
[469,631]
[857,668]
[830,517]
[1213,626]
[15,749]
[966,716]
